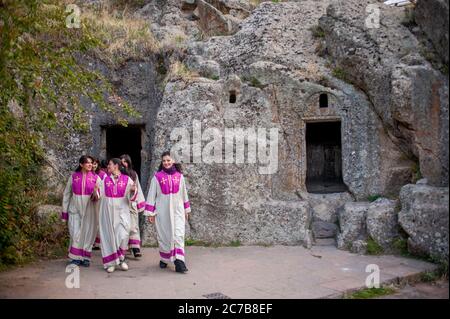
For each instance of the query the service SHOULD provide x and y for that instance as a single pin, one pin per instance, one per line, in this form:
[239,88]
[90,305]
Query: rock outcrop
[406,92]
[424,217]
[230,71]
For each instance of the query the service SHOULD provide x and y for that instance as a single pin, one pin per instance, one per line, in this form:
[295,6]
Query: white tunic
[79,210]
[136,207]
[114,223]
[168,200]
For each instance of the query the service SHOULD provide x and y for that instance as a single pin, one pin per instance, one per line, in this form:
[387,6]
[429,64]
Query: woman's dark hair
[104,163]
[83,160]
[117,161]
[96,160]
[130,171]
[178,166]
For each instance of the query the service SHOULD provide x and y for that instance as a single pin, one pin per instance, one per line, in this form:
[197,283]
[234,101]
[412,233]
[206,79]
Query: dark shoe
[180,266]
[95,248]
[75,262]
[162,264]
[85,263]
[136,252]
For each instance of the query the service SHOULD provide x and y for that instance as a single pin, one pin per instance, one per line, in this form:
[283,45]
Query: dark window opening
[233,97]
[323,100]
[324,158]
[125,140]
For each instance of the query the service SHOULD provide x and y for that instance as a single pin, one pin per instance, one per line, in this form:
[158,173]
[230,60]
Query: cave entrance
[324,158]
[125,140]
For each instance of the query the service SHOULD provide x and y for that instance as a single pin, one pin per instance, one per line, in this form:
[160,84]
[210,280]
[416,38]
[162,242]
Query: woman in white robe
[100,169]
[168,206]
[80,195]
[136,207]
[117,191]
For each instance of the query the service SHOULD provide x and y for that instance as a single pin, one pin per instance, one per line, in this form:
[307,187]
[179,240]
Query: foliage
[42,83]
[373,198]
[371,293]
[373,248]
[317,31]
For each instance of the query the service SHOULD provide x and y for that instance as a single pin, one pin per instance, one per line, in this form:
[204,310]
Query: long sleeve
[67,196]
[131,195]
[150,207]
[140,199]
[187,204]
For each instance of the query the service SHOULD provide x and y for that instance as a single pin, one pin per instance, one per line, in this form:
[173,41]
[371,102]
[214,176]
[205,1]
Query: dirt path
[235,272]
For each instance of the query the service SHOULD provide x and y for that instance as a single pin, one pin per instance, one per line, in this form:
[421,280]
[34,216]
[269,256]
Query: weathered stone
[425,217]
[422,181]
[382,222]
[432,16]
[208,69]
[266,73]
[352,224]
[359,247]
[325,206]
[324,230]
[409,96]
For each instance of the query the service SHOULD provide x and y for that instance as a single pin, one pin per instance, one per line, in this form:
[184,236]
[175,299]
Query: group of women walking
[102,203]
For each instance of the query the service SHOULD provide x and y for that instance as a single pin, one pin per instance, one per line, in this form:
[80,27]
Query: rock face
[424,216]
[409,96]
[432,17]
[382,222]
[352,224]
[361,221]
[262,76]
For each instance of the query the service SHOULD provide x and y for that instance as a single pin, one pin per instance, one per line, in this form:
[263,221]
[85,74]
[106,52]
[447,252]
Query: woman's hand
[151,219]
[133,188]
[94,197]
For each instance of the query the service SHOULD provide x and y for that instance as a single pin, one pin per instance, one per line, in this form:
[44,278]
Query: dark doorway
[324,158]
[125,140]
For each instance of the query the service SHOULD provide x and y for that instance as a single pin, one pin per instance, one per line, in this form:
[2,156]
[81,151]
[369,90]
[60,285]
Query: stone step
[325,242]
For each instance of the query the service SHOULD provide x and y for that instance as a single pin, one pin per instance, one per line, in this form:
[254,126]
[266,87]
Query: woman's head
[167,162]
[114,166]
[95,164]
[84,164]
[126,161]
[104,164]
[127,164]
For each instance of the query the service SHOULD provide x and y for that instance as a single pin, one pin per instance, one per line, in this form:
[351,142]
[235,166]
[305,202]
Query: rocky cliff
[236,64]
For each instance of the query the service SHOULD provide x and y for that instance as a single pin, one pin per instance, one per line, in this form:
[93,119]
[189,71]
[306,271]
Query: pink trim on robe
[187,205]
[79,252]
[141,205]
[150,208]
[77,183]
[134,242]
[114,256]
[113,190]
[170,184]
[64,216]
[101,174]
[173,253]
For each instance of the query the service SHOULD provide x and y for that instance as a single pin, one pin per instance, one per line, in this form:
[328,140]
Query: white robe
[168,200]
[136,207]
[114,223]
[101,175]
[79,210]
